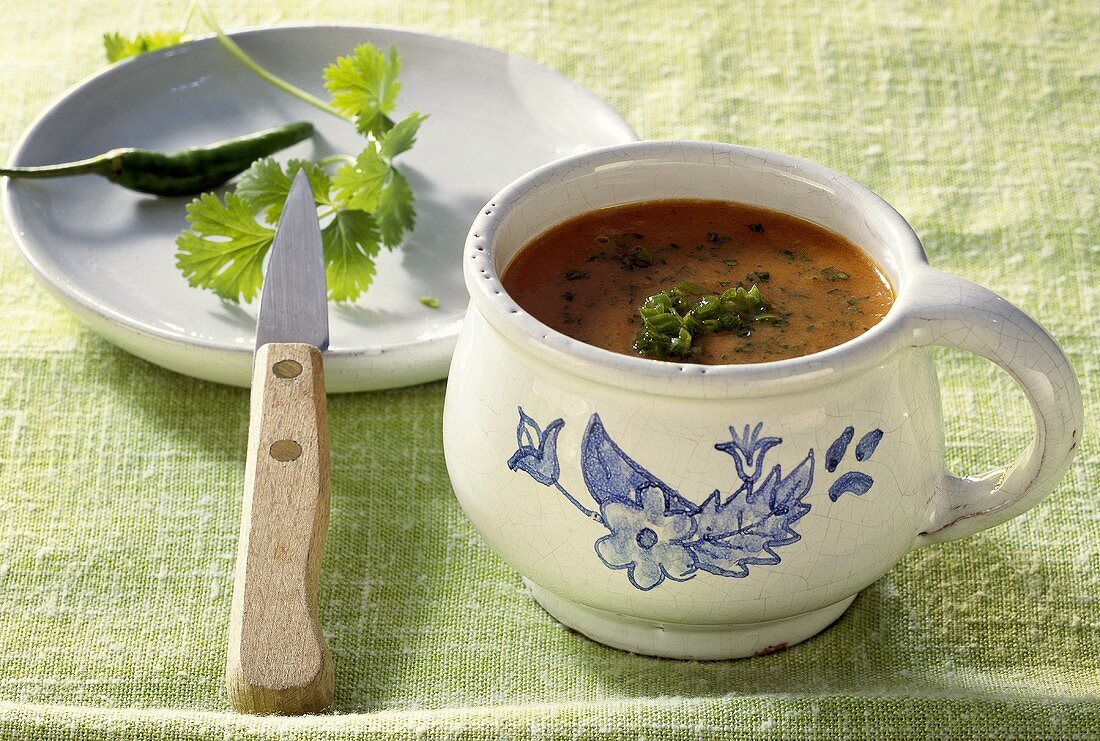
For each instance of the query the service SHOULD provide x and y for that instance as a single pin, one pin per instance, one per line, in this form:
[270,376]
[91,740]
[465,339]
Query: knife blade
[278,661]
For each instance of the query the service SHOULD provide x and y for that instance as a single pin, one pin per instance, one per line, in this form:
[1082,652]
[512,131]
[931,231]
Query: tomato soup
[591,276]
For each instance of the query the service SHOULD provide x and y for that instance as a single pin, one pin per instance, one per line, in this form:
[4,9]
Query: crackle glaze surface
[606,480]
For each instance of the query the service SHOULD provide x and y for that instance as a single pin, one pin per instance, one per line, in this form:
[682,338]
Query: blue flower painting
[538,450]
[655,534]
[647,539]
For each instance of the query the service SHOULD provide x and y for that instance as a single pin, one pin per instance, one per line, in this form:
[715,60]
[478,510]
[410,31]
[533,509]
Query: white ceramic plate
[108,253]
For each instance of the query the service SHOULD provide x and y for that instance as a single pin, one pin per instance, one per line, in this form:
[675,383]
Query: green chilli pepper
[181,173]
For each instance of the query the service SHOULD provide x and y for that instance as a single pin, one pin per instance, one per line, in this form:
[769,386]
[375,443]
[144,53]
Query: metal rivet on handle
[287,369]
[285,450]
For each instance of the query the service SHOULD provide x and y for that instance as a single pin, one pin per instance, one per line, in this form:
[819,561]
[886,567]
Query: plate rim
[68,293]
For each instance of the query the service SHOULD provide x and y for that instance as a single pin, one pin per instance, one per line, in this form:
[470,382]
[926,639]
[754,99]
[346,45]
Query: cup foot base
[685,641]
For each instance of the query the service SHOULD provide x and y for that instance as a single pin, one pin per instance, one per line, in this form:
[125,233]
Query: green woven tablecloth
[120,482]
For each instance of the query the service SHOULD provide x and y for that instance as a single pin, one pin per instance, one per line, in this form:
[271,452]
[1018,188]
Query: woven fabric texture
[120,482]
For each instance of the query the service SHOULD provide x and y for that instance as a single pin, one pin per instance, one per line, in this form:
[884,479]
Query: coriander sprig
[367,203]
[118,47]
[364,202]
[675,319]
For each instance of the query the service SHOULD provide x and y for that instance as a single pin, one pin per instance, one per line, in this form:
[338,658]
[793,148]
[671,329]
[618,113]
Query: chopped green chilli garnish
[675,319]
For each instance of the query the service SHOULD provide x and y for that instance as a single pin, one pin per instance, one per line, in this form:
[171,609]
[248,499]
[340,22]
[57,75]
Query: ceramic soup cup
[711,512]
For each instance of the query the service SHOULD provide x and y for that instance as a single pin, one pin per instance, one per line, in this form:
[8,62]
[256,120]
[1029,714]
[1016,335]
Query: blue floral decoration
[538,450]
[647,539]
[655,533]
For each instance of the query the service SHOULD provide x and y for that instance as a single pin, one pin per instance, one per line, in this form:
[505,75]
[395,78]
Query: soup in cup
[700,510]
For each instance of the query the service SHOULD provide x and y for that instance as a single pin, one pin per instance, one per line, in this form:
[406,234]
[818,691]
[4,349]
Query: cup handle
[953,312]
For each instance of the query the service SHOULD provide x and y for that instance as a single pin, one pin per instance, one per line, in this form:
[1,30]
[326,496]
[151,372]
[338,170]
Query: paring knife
[278,661]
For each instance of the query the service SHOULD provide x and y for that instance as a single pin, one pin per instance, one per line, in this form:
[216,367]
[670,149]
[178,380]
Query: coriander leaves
[675,319]
[364,87]
[266,185]
[225,247]
[350,244]
[118,47]
[364,202]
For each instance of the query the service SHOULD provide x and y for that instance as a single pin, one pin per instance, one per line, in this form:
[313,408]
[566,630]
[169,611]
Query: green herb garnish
[430,301]
[364,202]
[118,47]
[637,258]
[675,319]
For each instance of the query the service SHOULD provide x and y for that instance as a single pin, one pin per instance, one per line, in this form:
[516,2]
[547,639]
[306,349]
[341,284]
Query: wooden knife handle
[278,661]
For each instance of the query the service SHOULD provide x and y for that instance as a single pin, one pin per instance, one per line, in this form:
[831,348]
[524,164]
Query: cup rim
[662,376]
